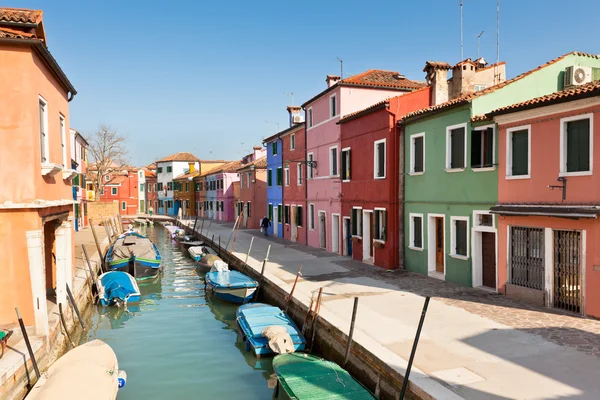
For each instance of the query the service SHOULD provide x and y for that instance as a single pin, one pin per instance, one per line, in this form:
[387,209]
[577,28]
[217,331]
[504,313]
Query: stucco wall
[98,210]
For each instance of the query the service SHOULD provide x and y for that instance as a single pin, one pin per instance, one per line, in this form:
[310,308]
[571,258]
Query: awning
[573,212]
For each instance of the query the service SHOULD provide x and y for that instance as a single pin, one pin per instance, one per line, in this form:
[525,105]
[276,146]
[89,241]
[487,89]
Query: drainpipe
[282,187]
[401,204]
[307,207]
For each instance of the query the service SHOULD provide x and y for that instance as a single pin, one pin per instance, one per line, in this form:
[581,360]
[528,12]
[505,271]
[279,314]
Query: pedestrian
[265,224]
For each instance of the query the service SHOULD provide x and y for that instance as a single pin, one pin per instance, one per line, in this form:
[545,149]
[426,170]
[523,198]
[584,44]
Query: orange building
[122,187]
[36,203]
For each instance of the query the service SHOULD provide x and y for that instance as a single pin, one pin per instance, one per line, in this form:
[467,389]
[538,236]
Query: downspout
[401,204]
[306,205]
[282,188]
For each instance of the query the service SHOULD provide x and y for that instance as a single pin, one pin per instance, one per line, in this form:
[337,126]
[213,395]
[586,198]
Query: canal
[177,343]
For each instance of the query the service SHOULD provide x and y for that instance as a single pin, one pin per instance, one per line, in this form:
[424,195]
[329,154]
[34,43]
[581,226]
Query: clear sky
[205,76]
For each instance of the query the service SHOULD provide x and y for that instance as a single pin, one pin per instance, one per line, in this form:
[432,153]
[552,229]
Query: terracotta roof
[185,176]
[436,64]
[229,167]
[260,163]
[380,78]
[151,166]
[22,15]
[481,117]
[180,156]
[467,98]
[376,106]
[588,90]
[283,132]
[149,174]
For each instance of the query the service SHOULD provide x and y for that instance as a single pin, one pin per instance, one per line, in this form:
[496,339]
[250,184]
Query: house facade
[323,145]
[549,199]
[370,161]
[219,191]
[452,163]
[274,207]
[151,188]
[166,170]
[79,163]
[36,205]
[142,200]
[122,187]
[252,198]
[184,191]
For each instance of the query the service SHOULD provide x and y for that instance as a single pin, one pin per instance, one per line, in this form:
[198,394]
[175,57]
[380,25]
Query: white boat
[90,371]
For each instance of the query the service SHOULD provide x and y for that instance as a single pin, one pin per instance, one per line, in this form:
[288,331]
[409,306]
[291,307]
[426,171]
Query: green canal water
[177,343]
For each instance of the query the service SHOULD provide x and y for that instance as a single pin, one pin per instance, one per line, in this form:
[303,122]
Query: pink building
[219,195]
[323,145]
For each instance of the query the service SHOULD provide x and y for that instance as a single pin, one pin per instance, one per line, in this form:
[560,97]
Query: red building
[371,190]
[122,187]
[294,179]
[252,201]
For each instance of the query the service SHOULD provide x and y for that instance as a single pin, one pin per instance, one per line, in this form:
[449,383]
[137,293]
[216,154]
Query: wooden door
[439,244]
[488,259]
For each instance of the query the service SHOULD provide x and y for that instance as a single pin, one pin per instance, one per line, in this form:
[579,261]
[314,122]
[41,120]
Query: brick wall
[99,210]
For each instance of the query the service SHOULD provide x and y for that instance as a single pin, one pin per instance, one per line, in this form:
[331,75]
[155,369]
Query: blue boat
[231,286]
[254,318]
[134,253]
[117,288]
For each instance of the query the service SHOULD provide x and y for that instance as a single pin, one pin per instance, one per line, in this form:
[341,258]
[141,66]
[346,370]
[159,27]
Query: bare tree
[109,154]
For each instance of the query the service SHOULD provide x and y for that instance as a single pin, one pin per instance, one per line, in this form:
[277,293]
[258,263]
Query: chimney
[332,80]
[259,152]
[295,113]
[437,78]
[192,166]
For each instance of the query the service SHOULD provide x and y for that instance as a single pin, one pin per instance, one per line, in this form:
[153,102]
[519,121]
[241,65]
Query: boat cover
[279,339]
[230,280]
[218,266]
[118,285]
[209,259]
[131,245]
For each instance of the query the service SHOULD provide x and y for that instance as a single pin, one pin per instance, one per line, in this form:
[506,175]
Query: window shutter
[476,142]
[381,159]
[354,221]
[279,176]
[269,178]
[457,156]
[418,155]
[417,232]
[488,151]
[461,238]
[520,153]
[578,145]
[348,165]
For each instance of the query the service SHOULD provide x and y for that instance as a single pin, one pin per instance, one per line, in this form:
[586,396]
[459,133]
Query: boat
[303,376]
[117,288]
[140,221]
[89,371]
[198,252]
[175,231]
[254,319]
[231,286]
[134,253]
[208,260]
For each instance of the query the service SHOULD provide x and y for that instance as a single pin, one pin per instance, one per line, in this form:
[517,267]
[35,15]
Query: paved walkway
[477,344]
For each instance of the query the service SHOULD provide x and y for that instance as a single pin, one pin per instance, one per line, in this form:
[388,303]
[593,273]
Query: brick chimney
[332,80]
[437,78]
[296,116]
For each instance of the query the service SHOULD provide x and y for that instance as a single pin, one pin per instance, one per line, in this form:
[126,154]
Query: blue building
[275,183]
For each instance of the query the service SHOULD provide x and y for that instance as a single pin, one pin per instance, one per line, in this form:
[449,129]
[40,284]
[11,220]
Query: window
[270,177]
[483,218]
[248,174]
[102,191]
[479,87]
[196,187]
[346,164]
[279,212]
[357,221]
[169,169]
[299,216]
[124,205]
[287,214]
[106,178]
[310,117]
[114,191]
[379,157]
[416,231]
[279,176]
[311,172]
[270,212]
[44,146]
[287,177]
[222,186]
[459,237]
[456,147]
[333,161]
[311,216]
[221,206]
[518,154]
[482,147]
[576,145]
[380,225]
[141,174]
[142,187]
[169,185]
[274,148]
[417,153]
[187,187]
[160,186]
[299,173]
[293,141]
[159,170]
[63,142]
[249,210]
[526,257]
[332,106]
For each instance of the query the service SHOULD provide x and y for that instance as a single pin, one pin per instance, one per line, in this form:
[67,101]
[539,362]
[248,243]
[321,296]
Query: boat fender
[122,378]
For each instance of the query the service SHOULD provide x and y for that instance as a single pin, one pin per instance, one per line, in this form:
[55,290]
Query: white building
[166,169]
[78,163]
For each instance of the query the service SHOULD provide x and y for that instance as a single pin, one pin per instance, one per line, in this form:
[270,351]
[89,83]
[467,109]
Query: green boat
[302,376]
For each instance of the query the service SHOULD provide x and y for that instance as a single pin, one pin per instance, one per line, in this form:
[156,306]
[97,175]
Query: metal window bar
[567,270]
[527,257]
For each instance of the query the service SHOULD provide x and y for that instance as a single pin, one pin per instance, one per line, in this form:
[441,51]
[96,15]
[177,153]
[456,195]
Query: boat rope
[337,377]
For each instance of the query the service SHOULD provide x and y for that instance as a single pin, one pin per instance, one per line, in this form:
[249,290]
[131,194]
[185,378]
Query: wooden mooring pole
[97,243]
[194,228]
[351,333]
[235,235]
[291,295]
[74,305]
[249,248]
[262,272]
[92,272]
[62,318]
[202,225]
[28,344]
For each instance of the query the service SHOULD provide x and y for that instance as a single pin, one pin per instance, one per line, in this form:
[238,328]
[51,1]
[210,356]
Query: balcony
[68,174]
[51,169]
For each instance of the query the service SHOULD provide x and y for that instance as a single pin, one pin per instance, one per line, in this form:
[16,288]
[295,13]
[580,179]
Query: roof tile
[260,163]
[381,78]
[180,156]
[21,15]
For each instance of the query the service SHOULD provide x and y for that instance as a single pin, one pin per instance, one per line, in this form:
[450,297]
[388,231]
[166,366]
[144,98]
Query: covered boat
[254,319]
[90,371]
[302,376]
[191,242]
[117,288]
[175,231]
[231,286]
[198,252]
[208,260]
[134,253]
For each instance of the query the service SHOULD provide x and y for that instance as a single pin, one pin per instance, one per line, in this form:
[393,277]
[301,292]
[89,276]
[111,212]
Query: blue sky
[204,76]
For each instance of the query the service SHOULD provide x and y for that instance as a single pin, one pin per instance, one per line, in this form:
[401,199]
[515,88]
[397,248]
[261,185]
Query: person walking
[265,224]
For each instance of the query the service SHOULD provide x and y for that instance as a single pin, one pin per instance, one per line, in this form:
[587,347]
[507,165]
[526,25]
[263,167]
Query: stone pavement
[474,344]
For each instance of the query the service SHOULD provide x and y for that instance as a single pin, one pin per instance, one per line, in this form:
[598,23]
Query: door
[566,293]
[488,259]
[294,233]
[367,236]
[245,215]
[275,221]
[439,244]
[348,235]
[322,234]
[335,233]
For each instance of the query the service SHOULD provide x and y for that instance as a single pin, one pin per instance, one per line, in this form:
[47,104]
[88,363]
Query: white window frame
[309,115]
[482,128]
[345,150]
[299,174]
[114,191]
[310,173]
[411,223]
[333,111]
[563,145]
[311,217]
[375,159]
[377,222]
[286,176]
[63,140]
[337,159]
[287,212]
[509,152]
[248,179]
[293,141]
[479,86]
[483,228]
[449,147]
[123,205]
[359,222]
[46,149]
[412,153]
[453,254]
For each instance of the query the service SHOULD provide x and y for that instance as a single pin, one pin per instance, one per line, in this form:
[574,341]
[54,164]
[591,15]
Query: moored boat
[135,254]
[117,288]
[302,376]
[198,252]
[208,260]
[254,319]
[175,231]
[192,242]
[231,286]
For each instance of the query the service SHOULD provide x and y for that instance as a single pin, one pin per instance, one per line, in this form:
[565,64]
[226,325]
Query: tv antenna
[461,33]
[291,94]
[276,123]
[478,37]
[341,67]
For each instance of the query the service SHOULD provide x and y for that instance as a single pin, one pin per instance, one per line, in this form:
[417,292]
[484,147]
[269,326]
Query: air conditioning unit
[298,119]
[577,75]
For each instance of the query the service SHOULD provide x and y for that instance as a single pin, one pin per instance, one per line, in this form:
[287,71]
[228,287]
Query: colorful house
[370,159]
[151,188]
[323,145]
[78,163]
[184,191]
[294,178]
[452,163]
[274,207]
[166,170]
[549,197]
[252,199]
[220,194]
[122,187]
[36,200]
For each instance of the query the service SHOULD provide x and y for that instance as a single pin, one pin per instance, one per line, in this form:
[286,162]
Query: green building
[451,158]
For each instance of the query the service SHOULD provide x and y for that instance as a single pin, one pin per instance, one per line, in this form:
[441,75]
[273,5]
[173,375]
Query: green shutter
[595,74]
[488,150]
[279,176]
[418,154]
[279,213]
[299,216]
[417,232]
[457,140]
[520,153]
[270,177]
[476,142]
[578,145]
[461,238]
[274,148]
[75,181]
